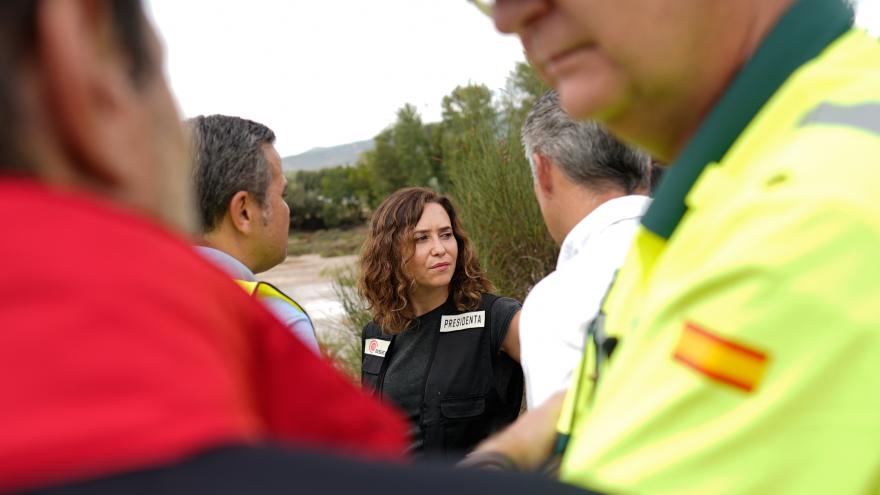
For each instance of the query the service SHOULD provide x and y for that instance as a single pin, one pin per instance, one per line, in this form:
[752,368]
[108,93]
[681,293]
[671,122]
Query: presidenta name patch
[376,347]
[454,323]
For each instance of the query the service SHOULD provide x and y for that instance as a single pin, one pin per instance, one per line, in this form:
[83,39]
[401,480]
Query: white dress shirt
[556,311]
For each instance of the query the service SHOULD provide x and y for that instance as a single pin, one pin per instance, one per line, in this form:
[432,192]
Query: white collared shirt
[556,311]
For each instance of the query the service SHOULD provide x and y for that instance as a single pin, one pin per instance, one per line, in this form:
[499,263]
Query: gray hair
[228,158]
[584,151]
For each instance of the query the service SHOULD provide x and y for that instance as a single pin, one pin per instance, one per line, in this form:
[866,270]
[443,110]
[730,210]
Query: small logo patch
[454,323]
[376,347]
[720,359]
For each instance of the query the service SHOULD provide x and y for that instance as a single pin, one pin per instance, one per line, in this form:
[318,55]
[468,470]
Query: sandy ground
[306,279]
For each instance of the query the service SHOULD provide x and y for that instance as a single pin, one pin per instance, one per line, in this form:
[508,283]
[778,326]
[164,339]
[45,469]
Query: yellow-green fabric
[777,249]
[269,291]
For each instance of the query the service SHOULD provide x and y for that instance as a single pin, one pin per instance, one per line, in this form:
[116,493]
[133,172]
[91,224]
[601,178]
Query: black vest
[468,393]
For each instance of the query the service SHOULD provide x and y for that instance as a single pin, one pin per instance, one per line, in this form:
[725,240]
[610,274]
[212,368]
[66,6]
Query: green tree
[360,178]
[522,90]
[384,166]
[412,147]
[334,184]
[405,154]
[303,197]
[341,205]
[434,134]
[468,108]
[524,87]
[492,183]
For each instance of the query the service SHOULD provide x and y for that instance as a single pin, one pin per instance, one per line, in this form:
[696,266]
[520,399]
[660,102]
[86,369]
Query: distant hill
[318,158]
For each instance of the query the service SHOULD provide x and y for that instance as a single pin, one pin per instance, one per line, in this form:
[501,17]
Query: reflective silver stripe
[865,116]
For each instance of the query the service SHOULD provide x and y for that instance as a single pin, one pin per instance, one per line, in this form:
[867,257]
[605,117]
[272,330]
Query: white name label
[376,347]
[454,323]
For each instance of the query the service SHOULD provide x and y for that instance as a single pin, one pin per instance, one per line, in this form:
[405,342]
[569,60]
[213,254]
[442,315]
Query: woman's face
[435,249]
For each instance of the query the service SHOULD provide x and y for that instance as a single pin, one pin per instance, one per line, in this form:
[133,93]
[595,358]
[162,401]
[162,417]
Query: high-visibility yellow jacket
[265,290]
[747,315]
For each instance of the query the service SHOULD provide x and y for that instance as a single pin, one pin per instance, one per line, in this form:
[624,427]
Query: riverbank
[308,279]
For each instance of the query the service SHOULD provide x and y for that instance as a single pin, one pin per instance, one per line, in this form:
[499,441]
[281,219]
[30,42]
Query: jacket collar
[233,268]
[608,213]
[805,30]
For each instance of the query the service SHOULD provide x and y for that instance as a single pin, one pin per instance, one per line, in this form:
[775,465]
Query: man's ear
[543,174]
[88,86]
[242,212]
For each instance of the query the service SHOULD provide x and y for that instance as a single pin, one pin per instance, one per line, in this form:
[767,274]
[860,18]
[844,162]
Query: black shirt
[406,372]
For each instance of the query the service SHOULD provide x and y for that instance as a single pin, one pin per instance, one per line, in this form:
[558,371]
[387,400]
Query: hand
[529,441]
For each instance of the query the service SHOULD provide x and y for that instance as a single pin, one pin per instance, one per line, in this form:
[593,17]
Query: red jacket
[121,348]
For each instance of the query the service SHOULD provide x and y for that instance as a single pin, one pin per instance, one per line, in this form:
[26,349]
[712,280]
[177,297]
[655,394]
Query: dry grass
[328,242]
[343,346]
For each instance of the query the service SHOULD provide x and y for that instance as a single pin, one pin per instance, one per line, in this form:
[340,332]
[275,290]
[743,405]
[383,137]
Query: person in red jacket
[128,364]
[120,348]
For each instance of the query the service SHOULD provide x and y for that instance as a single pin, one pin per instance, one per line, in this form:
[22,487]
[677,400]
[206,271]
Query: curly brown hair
[384,283]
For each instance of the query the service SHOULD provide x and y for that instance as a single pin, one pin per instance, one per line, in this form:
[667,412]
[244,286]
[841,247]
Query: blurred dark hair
[17,43]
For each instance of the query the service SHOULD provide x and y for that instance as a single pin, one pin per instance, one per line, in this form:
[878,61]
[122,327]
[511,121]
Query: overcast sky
[328,72]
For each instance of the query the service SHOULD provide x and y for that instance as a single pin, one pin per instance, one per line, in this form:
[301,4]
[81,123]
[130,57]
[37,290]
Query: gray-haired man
[245,220]
[591,190]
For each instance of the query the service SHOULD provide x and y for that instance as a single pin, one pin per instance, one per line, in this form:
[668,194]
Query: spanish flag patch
[720,359]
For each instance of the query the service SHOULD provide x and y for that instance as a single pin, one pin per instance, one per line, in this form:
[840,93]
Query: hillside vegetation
[473,154]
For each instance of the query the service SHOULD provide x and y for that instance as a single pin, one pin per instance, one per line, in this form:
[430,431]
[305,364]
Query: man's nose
[512,16]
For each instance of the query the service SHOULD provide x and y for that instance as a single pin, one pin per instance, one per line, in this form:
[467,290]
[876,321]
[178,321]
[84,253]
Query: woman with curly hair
[440,346]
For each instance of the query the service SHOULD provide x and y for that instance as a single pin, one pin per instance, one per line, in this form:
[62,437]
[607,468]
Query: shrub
[343,345]
[492,184]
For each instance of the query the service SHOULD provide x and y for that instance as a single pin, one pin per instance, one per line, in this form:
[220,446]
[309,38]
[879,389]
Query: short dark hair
[228,157]
[585,152]
[17,42]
